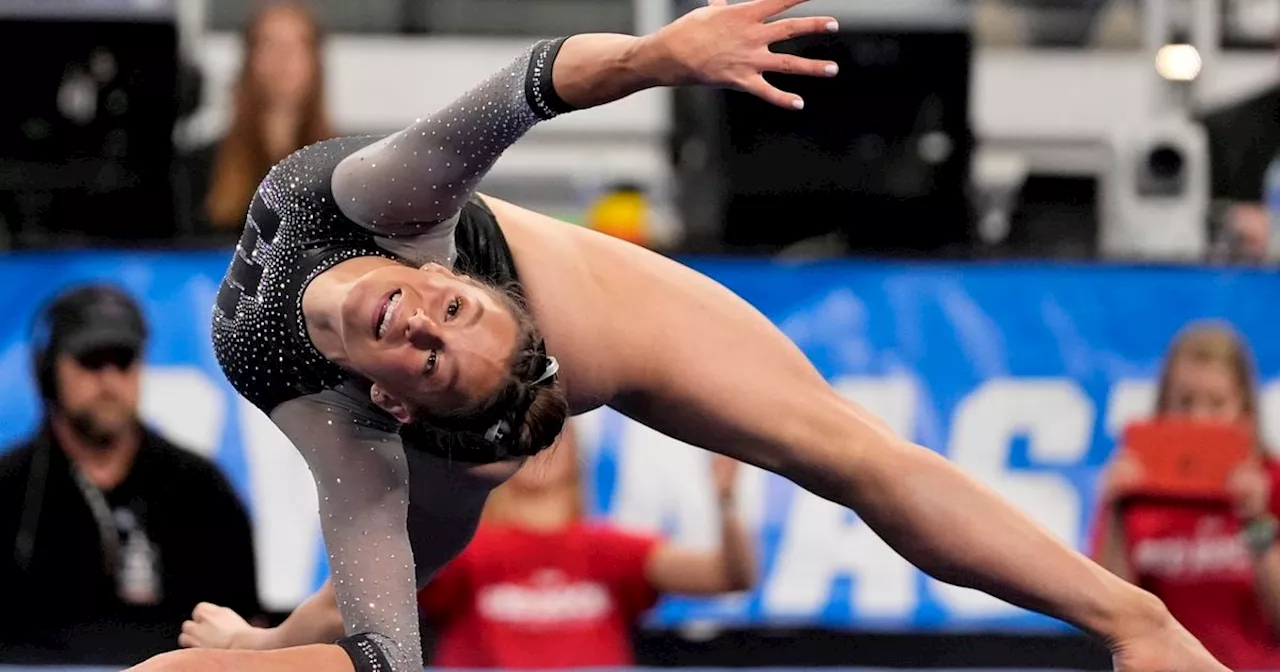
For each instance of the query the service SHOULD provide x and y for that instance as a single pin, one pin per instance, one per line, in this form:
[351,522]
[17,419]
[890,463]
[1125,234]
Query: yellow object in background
[622,212]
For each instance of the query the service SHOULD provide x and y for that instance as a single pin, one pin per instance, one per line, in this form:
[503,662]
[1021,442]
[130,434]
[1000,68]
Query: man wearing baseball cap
[109,534]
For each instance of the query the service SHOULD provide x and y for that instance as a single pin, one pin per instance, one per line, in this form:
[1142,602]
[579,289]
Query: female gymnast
[397,328]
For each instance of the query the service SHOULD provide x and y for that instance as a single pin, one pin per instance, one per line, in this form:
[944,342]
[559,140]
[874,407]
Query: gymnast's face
[427,338]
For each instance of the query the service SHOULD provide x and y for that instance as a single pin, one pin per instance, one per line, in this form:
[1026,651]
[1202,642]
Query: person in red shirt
[1216,566]
[539,586]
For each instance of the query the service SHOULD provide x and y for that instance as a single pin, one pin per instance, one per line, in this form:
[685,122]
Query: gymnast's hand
[214,627]
[727,45]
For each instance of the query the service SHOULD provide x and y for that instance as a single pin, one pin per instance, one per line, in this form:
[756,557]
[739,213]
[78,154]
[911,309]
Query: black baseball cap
[92,318]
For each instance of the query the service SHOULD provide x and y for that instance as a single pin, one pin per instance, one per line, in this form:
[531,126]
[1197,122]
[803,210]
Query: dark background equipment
[879,156]
[86,131]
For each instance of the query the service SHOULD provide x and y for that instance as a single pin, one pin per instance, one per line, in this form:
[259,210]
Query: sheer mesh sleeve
[362,478]
[408,182]
[391,517]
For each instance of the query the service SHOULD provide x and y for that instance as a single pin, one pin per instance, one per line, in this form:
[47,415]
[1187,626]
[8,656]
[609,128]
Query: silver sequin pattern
[397,187]
[403,185]
[362,479]
[261,343]
[425,173]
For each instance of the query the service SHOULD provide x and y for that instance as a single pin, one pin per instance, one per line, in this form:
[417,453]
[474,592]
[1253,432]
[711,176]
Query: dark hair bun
[526,430]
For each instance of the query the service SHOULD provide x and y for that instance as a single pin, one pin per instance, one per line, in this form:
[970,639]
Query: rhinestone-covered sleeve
[424,174]
[362,479]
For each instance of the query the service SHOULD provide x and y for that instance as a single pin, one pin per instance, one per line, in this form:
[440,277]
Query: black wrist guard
[539,90]
[366,655]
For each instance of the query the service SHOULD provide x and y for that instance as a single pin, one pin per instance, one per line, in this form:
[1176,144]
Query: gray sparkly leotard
[407,196]
[295,232]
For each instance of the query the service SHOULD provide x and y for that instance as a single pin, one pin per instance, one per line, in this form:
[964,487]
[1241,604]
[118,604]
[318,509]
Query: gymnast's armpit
[362,479]
[422,175]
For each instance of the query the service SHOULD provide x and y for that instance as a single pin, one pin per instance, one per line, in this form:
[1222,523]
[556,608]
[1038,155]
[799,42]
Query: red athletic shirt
[520,599]
[1190,555]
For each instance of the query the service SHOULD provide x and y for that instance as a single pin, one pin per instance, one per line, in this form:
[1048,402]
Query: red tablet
[1185,459]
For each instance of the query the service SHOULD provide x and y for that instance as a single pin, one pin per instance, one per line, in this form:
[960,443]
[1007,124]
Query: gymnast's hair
[523,416]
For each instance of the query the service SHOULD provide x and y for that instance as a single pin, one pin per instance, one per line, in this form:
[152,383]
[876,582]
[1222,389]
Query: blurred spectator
[1244,142]
[1215,565]
[580,588]
[111,533]
[572,599]
[279,107]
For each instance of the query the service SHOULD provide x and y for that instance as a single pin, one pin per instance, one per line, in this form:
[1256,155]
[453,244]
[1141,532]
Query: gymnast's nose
[423,332]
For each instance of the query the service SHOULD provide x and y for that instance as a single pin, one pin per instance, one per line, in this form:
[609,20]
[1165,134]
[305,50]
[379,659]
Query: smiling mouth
[387,314]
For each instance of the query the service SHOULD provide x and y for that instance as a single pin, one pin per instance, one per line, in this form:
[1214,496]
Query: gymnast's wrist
[595,69]
[258,639]
[365,654]
[653,63]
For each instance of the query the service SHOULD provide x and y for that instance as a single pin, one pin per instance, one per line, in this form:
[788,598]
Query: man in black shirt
[110,534]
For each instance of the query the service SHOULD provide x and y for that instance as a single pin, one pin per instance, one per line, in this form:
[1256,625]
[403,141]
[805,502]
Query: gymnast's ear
[433,267]
[397,408]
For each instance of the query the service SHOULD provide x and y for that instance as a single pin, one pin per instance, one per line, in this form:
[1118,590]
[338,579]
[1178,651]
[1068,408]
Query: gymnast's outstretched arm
[391,517]
[362,478]
[421,176]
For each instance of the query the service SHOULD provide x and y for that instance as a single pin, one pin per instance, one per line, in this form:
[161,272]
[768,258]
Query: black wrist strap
[539,90]
[365,654]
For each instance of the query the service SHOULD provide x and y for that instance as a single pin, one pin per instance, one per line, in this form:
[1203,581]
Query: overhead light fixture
[1178,62]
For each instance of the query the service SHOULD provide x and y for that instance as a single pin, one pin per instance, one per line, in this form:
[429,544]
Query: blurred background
[994,228]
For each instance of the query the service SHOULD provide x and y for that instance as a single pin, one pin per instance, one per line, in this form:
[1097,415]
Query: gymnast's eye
[452,311]
[432,359]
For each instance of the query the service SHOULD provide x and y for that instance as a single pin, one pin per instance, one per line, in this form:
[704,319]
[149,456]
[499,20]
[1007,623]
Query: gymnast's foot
[1162,645]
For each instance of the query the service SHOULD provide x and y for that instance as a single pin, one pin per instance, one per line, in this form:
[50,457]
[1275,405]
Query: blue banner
[1022,374]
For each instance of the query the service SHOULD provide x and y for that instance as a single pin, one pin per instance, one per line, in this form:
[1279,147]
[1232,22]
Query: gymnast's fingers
[203,611]
[189,638]
[786,29]
[767,8]
[761,88]
[795,65]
